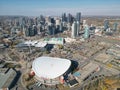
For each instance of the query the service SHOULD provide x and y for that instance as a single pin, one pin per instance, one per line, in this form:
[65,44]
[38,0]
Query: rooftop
[50,67]
[32,43]
[6,78]
[54,40]
[103,58]
[87,70]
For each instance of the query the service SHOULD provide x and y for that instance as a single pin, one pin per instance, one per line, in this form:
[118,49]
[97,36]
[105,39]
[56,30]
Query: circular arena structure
[50,70]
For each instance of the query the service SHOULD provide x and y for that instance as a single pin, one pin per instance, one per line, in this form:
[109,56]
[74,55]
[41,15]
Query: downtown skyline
[57,7]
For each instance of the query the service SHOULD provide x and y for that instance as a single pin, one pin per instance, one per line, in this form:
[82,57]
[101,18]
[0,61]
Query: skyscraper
[24,30]
[52,20]
[57,28]
[39,28]
[31,31]
[74,30]
[84,23]
[115,26]
[78,20]
[78,17]
[48,19]
[64,18]
[58,22]
[106,24]
[42,19]
[27,31]
[51,29]
[69,18]
[69,26]
[61,27]
[35,29]
[54,30]
[86,34]
[78,28]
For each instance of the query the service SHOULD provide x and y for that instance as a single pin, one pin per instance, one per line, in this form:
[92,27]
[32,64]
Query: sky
[57,7]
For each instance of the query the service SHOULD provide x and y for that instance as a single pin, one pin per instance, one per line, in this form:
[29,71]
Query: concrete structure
[7,77]
[49,70]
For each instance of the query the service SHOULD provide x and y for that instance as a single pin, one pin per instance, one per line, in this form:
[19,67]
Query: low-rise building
[87,70]
[54,40]
[115,51]
[28,45]
[103,58]
[7,77]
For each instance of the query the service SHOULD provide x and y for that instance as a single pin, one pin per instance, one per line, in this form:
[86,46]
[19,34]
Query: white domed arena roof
[50,67]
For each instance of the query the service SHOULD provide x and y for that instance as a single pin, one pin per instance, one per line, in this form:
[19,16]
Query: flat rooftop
[103,58]
[87,70]
[6,77]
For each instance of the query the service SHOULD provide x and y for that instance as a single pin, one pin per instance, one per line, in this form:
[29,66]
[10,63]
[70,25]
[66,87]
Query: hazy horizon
[57,7]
